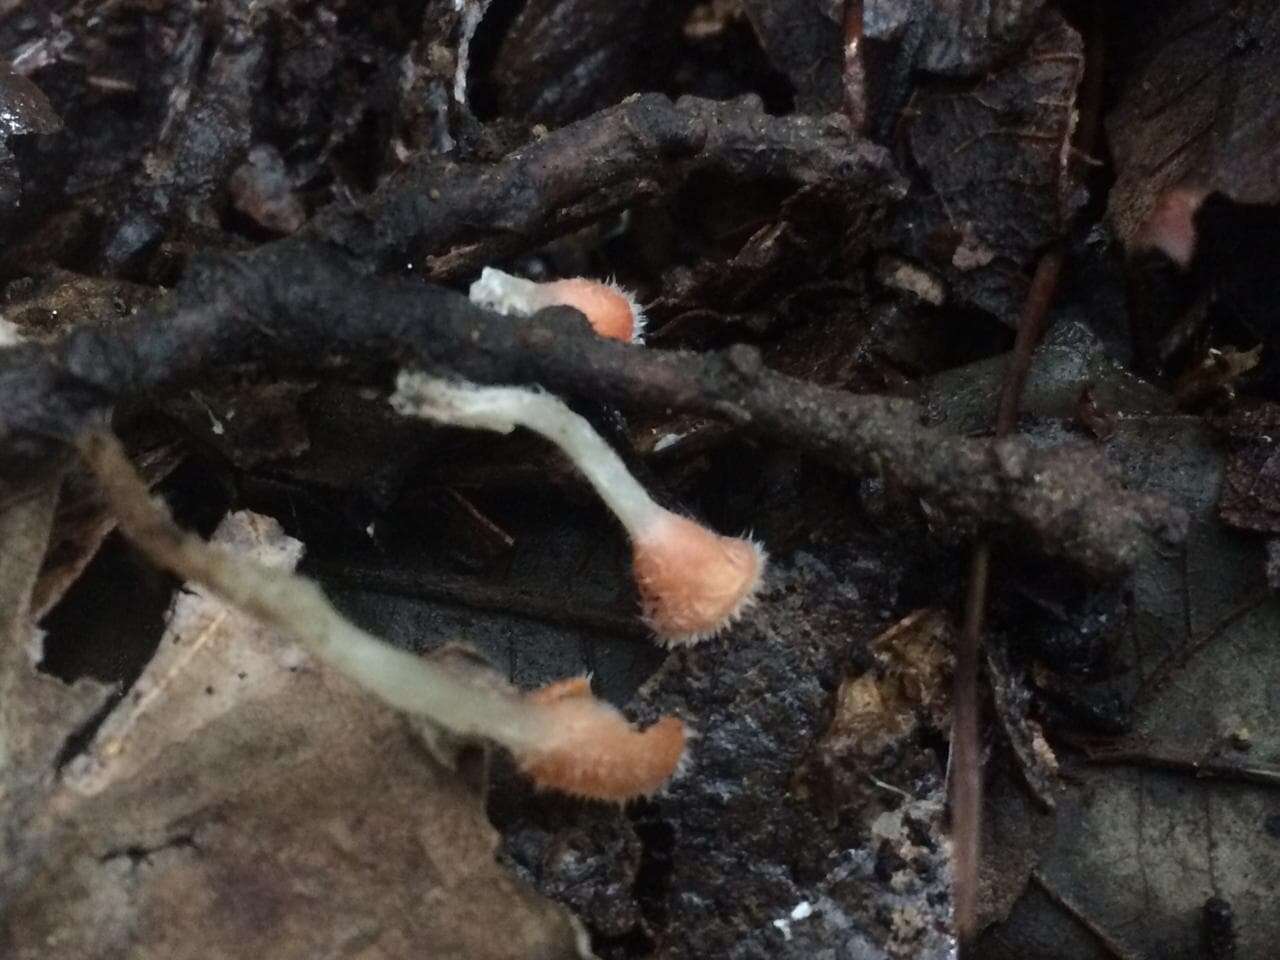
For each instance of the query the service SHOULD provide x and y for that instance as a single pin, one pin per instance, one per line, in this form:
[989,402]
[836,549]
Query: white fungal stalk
[692,581]
[562,737]
[612,311]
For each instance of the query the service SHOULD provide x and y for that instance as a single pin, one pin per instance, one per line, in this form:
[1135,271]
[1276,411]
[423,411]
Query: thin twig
[966,755]
[452,218]
[1182,763]
[966,770]
[856,101]
[1110,944]
[491,530]
[966,763]
[1030,330]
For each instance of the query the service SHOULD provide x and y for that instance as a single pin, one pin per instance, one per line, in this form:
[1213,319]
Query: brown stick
[966,777]
[966,761]
[1030,329]
[855,67]
[966,755]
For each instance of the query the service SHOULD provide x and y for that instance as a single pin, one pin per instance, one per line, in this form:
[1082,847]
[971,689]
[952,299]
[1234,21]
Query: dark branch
[291,305]
[302,301]
[451,218]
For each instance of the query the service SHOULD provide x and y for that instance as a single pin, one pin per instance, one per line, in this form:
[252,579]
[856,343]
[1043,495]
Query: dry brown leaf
[211,661]
[909,686]
[82,522]
[37,712]
[246,801]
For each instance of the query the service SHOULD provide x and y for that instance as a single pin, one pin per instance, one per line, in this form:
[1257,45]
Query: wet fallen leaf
[1142,845]
[1201,106]
[995,156]
[954,37]
[23,106]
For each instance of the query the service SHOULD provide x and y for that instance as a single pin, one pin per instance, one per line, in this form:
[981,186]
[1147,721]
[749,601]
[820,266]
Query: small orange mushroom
[611,310]
[561,735]
[590,750]
[693,582]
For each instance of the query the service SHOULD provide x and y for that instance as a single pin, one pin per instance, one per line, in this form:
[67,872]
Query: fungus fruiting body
[611,310]
[561,736]
[590,750]
[1171,226]
[692,581]
[679,604]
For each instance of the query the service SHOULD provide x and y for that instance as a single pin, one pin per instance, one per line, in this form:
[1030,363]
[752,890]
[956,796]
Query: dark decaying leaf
[807,40]
[562,59]
[953,37]
[1202,658]
[1195,662]
[1202,105]
[804,40]
[996,185]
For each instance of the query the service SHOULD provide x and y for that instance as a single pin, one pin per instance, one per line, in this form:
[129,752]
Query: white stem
[506,294]
[400,679]
[503,408]
[296,607]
